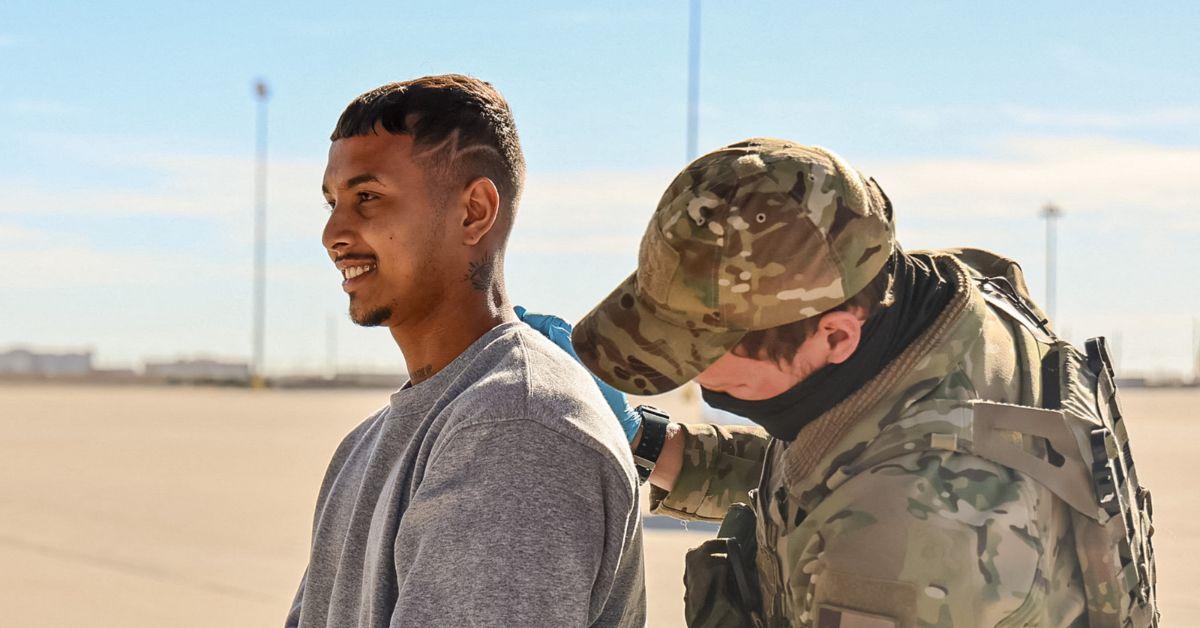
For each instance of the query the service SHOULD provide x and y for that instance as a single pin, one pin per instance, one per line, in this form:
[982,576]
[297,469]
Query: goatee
[372,318]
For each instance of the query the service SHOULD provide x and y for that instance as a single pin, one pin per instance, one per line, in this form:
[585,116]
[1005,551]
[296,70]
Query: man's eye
[328,206]
[366,196]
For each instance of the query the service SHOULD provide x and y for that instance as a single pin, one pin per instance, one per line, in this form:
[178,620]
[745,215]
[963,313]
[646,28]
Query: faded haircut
[461,127]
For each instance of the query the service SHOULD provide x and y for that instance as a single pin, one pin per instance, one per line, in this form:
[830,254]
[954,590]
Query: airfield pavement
[182,507]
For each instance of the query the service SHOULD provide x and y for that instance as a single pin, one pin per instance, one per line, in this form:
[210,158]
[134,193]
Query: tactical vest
[1080,453]
[1089,463]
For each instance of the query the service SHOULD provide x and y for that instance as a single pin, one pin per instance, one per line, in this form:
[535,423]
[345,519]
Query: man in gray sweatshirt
[494,488]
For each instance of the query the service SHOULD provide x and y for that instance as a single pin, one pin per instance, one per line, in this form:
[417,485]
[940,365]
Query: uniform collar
[838,436]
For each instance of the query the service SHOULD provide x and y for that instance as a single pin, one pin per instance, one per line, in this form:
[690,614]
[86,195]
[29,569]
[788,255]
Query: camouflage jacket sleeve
[721,463]
[928,539]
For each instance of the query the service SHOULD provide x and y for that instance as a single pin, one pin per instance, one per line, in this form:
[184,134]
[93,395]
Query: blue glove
[559,332]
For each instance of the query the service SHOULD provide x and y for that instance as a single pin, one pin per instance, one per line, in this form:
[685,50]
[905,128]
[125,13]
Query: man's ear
[842,331]
[481,201]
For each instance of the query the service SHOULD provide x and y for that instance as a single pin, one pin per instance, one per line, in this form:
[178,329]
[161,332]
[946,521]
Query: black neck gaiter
[921,293]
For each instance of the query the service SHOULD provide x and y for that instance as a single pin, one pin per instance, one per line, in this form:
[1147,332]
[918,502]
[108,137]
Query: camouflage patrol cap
[755,235]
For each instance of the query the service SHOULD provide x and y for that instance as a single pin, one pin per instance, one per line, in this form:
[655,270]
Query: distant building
[33,363]
[198,371]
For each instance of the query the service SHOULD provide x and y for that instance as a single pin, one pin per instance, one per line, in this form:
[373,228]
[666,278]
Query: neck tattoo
[421,374]
[480,274]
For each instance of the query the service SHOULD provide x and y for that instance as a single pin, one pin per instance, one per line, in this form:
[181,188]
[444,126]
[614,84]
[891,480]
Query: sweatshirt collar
[411,398]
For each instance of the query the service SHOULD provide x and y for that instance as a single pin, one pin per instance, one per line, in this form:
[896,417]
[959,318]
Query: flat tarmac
[163,506]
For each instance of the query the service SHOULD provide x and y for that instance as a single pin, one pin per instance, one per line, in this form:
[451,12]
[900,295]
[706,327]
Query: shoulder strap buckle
[1000,293]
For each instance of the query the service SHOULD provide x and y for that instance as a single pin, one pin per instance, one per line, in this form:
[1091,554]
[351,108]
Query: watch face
[651,410]
[643,473]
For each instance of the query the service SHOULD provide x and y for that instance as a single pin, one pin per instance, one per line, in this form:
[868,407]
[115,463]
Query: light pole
[1196,351]
[1051,213]
[260,233]
[693,102]
[331,347]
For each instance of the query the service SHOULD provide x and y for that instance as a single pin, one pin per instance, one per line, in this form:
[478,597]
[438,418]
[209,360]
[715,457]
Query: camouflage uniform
[874,514]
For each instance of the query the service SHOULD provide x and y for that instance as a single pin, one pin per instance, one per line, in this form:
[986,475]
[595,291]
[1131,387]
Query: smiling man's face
[385,230]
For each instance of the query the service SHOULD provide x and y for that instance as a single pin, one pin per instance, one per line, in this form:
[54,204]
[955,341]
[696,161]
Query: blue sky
[127,137]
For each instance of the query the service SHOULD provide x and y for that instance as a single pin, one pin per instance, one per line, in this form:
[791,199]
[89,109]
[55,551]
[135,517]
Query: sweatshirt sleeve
[293,616]
[349,442]
[721,463]
[513,524]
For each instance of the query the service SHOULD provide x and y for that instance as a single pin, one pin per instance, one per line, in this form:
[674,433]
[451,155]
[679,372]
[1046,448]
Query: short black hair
[463,124]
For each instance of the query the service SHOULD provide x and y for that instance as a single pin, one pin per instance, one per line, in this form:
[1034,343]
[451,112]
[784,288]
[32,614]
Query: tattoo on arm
[421,374]
[480,274]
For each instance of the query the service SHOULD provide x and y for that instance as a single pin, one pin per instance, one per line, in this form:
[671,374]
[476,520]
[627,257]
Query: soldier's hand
[559,332]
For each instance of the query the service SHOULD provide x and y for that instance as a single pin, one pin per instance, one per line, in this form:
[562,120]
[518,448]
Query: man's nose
[338,233]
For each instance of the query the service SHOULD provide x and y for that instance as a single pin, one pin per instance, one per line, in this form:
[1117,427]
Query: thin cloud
[592,196]
[587,211]
[217,187]
[1049,120]
[13,236]
[576,16]
[36,107]
[568,244]
[1117,179]
[1162,117]
[66,266]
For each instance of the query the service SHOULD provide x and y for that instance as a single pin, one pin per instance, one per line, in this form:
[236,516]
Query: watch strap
[654,436]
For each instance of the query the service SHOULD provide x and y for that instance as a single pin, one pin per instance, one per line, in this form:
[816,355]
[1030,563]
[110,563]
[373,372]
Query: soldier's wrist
[670,461]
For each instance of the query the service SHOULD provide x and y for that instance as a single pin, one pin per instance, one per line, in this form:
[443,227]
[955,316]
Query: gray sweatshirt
[499,492]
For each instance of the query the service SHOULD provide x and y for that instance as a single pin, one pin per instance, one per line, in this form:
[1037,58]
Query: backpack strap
[996,432]
[1066,471]
[1001,295]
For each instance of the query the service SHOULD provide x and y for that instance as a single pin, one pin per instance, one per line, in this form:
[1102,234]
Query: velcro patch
[943,441]
[853,600]
[836,617]
[657,264]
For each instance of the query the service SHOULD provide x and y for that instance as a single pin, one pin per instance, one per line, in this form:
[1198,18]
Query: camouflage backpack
[1089,466]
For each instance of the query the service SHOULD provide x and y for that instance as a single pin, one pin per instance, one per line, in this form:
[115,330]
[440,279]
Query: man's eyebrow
[361,179]
[353,181]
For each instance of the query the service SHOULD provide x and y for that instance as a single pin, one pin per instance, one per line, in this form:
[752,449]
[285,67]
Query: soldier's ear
[840,333]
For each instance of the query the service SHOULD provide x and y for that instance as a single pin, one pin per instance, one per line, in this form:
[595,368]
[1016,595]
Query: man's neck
[431,343]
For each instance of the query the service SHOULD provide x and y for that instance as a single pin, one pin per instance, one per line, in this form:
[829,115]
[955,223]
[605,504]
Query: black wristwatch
[654,436]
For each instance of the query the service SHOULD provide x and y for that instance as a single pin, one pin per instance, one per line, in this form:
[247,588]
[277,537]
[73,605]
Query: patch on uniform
[943,441]
[852,600]
[835,617]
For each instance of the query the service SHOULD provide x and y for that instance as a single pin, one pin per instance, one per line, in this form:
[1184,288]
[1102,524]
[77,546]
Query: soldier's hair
[462,129]
[780,344]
